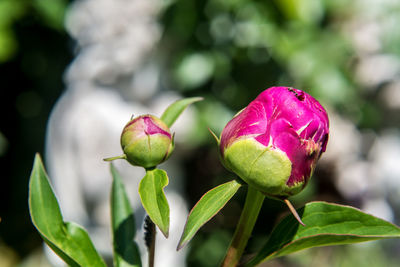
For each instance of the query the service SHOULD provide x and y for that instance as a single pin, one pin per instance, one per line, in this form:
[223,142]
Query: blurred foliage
[211,249]
[228,51]
[33,55]
[366,254]
[48,12]
[237,48]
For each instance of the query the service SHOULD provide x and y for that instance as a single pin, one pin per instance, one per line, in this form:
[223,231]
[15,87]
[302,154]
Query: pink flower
[276,141]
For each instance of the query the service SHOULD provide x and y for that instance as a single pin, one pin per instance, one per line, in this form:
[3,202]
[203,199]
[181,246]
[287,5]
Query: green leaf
[153,198]
[70,241]
[206,208]
[326,224]
[126,252]
[175,109]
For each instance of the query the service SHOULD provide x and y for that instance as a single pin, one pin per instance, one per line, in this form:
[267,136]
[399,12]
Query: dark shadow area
[124,244]
[31,83]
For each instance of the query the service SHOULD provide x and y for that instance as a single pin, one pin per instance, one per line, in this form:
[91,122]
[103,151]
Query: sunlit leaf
[326,224]
[206,208]
[70,241]
[175,109]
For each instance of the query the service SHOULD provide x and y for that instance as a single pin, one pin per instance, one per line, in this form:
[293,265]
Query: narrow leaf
[326,224]
[153,198]
[215,136]
[126,252]
[206,208]
[175,109]
[68,240]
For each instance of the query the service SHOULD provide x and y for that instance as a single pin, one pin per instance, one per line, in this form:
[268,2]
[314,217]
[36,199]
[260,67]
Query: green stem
[150,239]
[152,247]
[114,158]
[252,206]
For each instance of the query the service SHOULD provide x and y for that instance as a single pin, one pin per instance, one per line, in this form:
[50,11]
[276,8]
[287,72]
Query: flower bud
[146,141]
[275,142]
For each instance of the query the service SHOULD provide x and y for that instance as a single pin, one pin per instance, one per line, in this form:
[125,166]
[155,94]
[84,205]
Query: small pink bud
[146,141]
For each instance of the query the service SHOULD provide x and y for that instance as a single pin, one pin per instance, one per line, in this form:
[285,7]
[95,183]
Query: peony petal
[153,128]
[250,122]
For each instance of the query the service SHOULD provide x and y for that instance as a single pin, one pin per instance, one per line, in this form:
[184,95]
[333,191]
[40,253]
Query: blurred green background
[345,53]
[34,51]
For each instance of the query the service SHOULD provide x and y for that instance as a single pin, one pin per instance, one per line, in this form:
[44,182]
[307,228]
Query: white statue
[113,77]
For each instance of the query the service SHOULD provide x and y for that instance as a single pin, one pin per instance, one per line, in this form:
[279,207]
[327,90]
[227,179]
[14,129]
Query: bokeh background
[345,53]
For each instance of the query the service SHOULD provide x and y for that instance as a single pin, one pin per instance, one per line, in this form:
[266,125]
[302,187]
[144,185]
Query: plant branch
[150,239]
[252,206]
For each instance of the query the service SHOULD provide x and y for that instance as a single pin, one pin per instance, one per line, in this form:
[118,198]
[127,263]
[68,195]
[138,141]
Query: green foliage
[175,109]
[52,12]
[371,255]
[153,198]
[211,248]
[234,49]
[126,252]
[206,208]
[10,11]
[68,240]
[326,224]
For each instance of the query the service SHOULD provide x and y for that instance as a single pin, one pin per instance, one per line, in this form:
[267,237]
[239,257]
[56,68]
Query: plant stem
[150,239]
[252,206]
[152,248]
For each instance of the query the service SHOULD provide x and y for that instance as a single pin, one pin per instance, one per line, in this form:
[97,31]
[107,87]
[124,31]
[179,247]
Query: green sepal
[265,169]
[217,139]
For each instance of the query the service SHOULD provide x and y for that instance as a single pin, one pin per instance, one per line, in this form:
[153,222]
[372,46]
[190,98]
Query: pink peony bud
[146,141]
[275,142]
